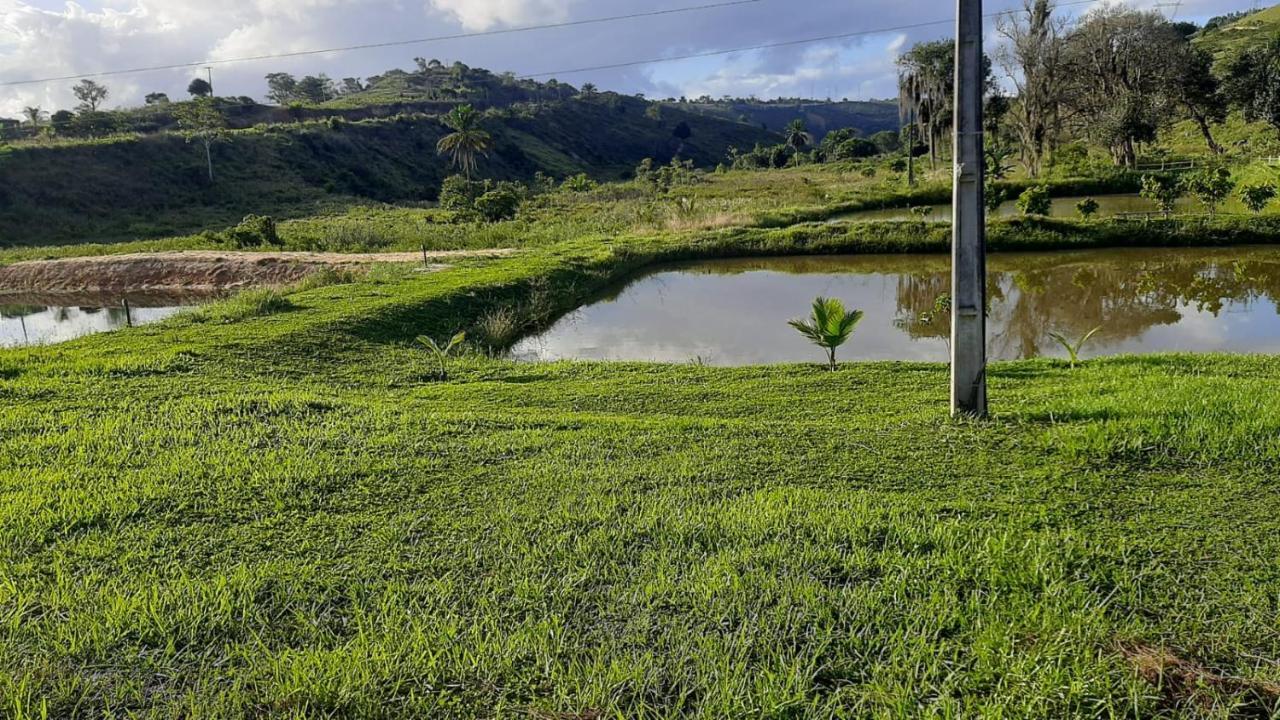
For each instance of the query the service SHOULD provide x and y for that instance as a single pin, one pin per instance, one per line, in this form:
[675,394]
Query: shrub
[253,231]
[855,149]
[1211,187]
[459,194]
[1035,200]
[498,204]
[1087,208]
[579,183]
[353,236]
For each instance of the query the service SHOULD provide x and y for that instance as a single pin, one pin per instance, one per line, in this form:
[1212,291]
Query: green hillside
[154,185]
[1230,39]
[868,117]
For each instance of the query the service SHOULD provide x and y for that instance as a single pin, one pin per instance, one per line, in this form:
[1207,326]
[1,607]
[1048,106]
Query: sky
[49,38]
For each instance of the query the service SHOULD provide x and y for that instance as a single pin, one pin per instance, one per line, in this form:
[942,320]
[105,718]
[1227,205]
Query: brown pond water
[734,312]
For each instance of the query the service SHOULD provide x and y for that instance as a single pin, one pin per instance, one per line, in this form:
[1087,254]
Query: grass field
[273,508]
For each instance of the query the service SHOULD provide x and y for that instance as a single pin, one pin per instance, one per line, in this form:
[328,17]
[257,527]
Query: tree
[1163,190]
[201,121]
[34,116]
[887,141]
[156,98]
[467,139]
[798,137]
[588,90]
[926,84]
[1116,70]
[281,88]
[1257,197]
[90,94]
[61,120]
[351,86]
[682,131]
[200,88]
[1032,57]
[1252,83]
[1193,86]
[315,89]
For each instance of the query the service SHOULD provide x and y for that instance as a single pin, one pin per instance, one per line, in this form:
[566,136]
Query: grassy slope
[155,186]
[1248,31]
[287,515]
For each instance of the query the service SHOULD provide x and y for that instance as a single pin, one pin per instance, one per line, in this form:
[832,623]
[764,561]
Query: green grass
[285,515]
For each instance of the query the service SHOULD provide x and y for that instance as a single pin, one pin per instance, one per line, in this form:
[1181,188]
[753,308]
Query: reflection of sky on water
[734,312]
[32,325]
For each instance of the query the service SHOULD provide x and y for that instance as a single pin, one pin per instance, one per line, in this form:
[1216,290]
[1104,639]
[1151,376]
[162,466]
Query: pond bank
[190,272]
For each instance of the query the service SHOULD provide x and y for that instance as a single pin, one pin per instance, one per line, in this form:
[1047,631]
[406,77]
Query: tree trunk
[1203,124]
[208,157]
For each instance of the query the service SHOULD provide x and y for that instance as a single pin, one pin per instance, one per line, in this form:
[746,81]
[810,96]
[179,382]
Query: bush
[459,194]
[1087,208]
[253,231]
[579,183]
[498,204]
[855,149]
[1035,200]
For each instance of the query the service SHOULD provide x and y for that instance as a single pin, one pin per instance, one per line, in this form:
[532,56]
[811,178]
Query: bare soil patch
[1184,684]
[192,272]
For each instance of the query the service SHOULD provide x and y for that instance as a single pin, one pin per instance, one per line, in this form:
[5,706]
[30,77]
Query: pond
[734,312]
[42,320]
[1061,207]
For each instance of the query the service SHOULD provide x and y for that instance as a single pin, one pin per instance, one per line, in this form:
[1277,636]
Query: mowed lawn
[288,517]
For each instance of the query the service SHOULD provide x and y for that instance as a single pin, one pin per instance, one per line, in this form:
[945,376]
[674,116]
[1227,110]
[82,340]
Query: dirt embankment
[191,273]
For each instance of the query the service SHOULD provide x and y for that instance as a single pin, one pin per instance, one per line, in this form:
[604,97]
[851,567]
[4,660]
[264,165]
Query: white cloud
[43,38]
[486,14]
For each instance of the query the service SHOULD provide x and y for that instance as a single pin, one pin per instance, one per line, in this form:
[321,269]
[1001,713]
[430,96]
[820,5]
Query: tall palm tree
[797,135]
[34,115]
[467,139]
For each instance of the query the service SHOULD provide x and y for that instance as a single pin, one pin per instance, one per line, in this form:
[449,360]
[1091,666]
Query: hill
[1229,39]
[154,185]
[867,117]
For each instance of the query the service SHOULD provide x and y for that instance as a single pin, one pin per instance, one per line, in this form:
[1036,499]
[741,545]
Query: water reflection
[42,320]
[733,312]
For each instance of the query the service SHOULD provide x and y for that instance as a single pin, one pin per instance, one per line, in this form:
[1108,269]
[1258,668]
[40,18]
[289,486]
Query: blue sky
[41,38]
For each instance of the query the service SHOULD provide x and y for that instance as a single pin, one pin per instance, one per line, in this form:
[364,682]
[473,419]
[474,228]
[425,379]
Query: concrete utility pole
[209,70]
[969,233]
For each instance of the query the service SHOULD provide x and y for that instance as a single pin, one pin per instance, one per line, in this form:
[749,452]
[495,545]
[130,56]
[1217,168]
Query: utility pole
[968,227]
[209,71]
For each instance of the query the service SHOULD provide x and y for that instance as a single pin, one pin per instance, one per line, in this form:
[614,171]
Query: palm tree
[467,139]
[34,116]
[797,135]
[829,326]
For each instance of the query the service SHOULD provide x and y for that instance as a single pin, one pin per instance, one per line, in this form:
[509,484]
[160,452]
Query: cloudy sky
[48,38]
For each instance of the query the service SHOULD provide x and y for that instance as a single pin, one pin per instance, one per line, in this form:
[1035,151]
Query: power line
[769,46]
[393,43]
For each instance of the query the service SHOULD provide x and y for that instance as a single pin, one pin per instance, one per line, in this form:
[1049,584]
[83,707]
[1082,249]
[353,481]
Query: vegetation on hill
[1227,37]
[150,186]
[866,117]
